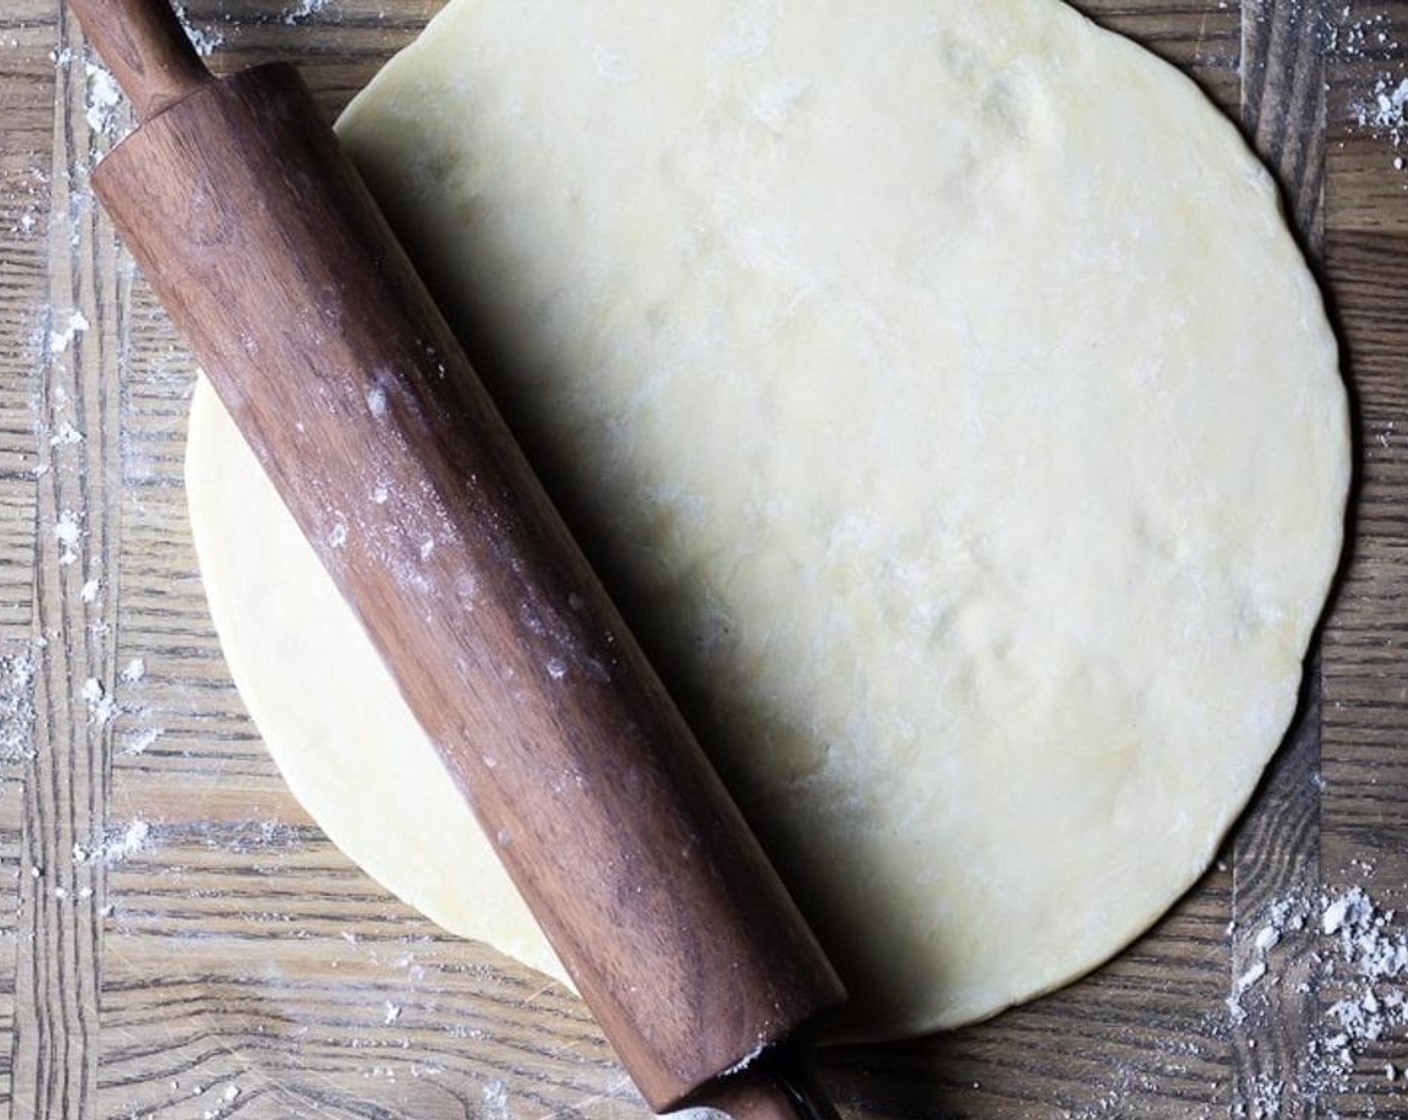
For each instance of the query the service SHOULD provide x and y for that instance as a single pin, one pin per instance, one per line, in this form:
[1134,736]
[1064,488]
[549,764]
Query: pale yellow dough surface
[937,385]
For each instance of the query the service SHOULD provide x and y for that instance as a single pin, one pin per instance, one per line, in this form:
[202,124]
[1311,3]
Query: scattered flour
[61,339]
[1384,112]
[140,741]
[1358,969]
[1251,976]
[1380,110]
[122,846]
[1351,37]
[206,40]
[102,707]
[302,10]
[1350,960]
[105,104]
[66,435]
[1371,951]
[68,531]
[495,1101]
[1332,920]
[16,707]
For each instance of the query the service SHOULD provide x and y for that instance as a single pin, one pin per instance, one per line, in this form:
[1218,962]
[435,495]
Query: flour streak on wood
[247,969]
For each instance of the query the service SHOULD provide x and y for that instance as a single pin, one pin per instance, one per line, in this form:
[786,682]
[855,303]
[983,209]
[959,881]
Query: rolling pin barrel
[263,243]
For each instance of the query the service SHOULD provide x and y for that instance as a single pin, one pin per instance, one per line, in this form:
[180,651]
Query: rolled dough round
[938,388]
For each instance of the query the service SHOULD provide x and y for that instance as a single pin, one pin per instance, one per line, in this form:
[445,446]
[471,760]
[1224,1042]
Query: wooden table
[178,940]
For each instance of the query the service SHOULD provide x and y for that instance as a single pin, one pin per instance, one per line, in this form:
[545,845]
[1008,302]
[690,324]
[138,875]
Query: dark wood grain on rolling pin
[243,951]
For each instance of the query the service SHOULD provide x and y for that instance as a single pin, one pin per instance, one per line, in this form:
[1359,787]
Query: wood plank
[26,129]
[1364,819]
[1283,105]
[64,808]
[1276,852]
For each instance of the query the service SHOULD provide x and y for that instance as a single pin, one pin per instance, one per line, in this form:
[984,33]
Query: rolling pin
[266,248]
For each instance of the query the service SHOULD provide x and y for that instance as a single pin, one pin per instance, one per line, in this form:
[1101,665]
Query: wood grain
[65,780]
[241,951]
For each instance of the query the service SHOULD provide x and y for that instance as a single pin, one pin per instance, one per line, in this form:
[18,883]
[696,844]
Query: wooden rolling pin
[271,257]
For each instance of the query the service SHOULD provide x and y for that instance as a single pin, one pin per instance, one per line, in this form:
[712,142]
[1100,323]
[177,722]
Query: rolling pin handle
[146,48]
[783,1086]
